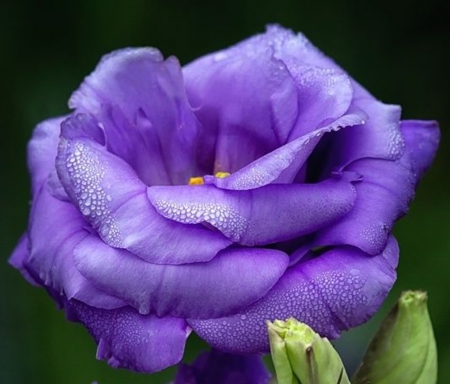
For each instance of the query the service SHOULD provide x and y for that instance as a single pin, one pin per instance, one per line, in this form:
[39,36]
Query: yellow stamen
[222,175]
[196,180]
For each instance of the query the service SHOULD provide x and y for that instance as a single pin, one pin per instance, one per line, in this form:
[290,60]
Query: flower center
[198,180]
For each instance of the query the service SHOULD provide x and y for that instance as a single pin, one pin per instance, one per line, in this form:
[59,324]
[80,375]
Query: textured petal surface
[261,216]
[382,198]
[129,340]
[263,102]
[149,122]
[340,289]
[385,192]
[19,257]
[42,150]
[222,368]
[379,138]
[234,279]
[55,228]
[422,140]
[113,200]
[284,163]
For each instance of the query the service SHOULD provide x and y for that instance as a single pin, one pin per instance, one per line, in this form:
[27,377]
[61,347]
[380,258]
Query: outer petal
[382,198]
[151,111]
[113,200]
[385,192]
[234,279]
[380,137]
[19,257]
[222,368]
[55,229]
[338,290]
[264,215]
[263,101]
[283,164]
[42,150]
[422,140]
[132,341]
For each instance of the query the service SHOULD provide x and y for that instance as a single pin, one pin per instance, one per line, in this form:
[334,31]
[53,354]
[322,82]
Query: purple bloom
[221,368]
[301,175]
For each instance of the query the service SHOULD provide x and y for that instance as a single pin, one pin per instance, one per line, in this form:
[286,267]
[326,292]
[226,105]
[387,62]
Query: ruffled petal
[222,368]
[382,198]
[265,215]
[250,100]
[379,138]
[385,192]
[42,150]
[338,290]
[231,281]
[55,228]
[422,140]
[283,164]
[129,340]
[147,119]
[19,257]
[113,200]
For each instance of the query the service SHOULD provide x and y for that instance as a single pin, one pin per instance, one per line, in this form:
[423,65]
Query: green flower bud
[404,349]
[301,356]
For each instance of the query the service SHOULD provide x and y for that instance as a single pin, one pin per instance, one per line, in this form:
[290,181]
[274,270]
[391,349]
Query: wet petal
[264,215]
[129,340]
[250,100]
[382,198]
[422,140]
[231,281]
[338,290]
[385,192]
[284,163]
[141,100]
[113,200]
[56,227]
[42,150]
[19,257]
[222,368]
[379,138]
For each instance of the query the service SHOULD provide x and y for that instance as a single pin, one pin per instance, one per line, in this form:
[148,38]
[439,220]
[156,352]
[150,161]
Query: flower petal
[265,215]
[282,164]
[55,228]
[19,257]
[147,117]
[264,101]
[42,150]
[222,368]
[113,200]
[231,281]
[340,289]
[422,140]
[382,198]
[379,138]
[385,192]
[129,340]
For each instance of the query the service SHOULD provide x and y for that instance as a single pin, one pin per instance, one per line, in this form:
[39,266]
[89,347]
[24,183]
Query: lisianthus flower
[256,183]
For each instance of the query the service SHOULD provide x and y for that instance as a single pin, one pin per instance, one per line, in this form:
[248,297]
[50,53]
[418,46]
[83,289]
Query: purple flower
[221,368]
[300,176]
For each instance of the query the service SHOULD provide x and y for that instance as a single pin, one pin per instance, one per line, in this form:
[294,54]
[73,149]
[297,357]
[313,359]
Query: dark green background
[398,49]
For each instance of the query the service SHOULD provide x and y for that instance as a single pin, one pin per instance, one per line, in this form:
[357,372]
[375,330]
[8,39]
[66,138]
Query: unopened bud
[404,349]
[301,356]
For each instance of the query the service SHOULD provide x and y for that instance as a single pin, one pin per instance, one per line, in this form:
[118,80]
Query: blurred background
[399,50]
